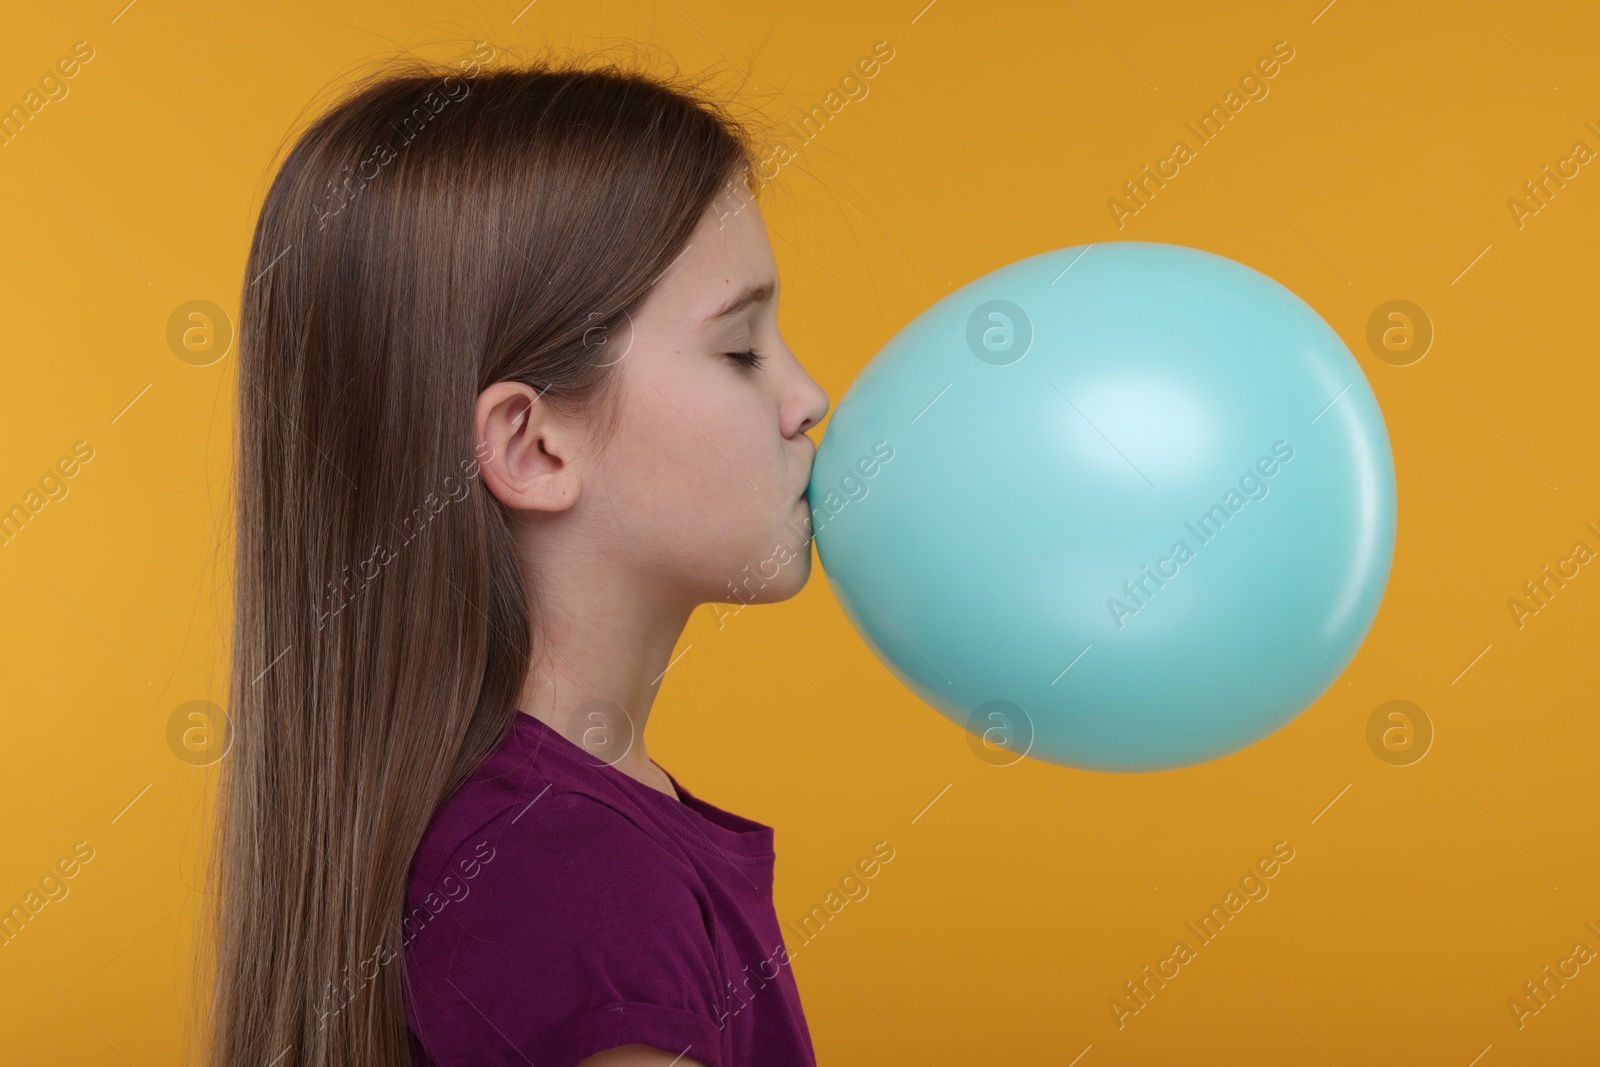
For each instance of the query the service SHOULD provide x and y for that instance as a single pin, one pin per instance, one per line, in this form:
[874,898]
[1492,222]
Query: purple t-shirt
[558,907]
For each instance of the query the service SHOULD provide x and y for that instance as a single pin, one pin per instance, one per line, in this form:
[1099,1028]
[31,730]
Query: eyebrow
[753,294]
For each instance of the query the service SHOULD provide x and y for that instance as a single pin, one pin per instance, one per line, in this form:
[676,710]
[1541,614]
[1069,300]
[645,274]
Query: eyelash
[747,358]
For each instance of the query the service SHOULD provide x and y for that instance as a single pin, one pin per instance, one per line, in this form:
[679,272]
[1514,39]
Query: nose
[813,406]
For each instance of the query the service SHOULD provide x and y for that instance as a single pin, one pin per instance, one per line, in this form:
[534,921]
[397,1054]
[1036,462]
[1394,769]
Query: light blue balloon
[1124,506]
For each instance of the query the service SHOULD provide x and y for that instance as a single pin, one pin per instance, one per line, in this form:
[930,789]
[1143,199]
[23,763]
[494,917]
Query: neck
[603,644]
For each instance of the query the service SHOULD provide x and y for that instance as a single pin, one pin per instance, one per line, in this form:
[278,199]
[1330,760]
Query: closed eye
[747,358]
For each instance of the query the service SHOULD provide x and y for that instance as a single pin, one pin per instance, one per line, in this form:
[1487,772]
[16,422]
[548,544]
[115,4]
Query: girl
[512,403]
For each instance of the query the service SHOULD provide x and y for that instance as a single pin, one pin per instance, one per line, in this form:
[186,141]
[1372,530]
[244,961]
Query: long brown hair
[440,229]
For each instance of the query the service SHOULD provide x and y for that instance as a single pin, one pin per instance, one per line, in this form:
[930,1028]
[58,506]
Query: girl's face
[699,495]
[707,473]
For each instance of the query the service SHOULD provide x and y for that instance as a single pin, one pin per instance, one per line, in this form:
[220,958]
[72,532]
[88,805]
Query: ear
[530,449]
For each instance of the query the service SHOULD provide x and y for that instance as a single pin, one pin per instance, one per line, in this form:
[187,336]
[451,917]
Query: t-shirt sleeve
[579,934]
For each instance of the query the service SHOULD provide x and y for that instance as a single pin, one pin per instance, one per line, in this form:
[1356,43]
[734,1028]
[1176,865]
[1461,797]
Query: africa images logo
[1252,486]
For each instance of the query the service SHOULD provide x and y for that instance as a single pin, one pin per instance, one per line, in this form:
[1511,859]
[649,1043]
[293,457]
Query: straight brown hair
[436,231]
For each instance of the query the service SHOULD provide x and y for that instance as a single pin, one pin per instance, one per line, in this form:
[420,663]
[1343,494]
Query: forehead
[727,254]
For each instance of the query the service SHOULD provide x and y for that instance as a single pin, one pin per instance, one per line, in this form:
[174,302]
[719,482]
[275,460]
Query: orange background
[1379,167]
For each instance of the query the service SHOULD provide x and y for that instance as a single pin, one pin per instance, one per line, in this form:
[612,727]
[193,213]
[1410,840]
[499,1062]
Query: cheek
[698,474]
[727,486]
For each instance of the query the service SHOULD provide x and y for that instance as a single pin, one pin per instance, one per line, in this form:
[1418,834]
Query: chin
[776,572]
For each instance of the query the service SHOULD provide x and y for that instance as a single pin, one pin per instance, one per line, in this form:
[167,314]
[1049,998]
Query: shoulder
[535,874]
[532,798]
[545,830]
[581,843]
[580,931]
